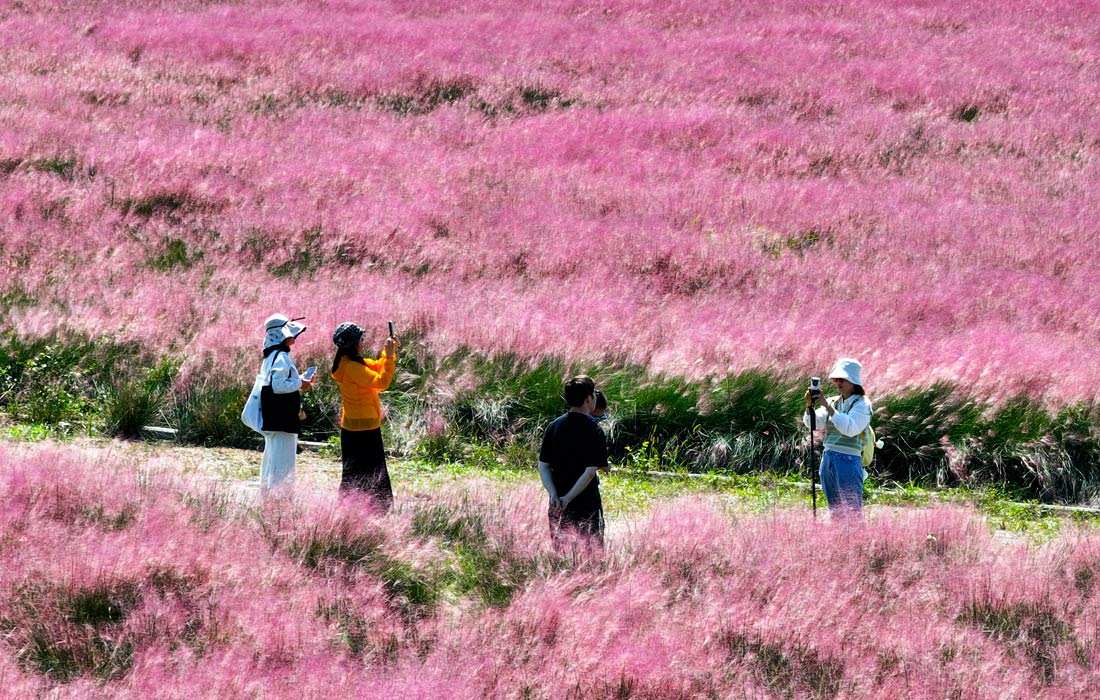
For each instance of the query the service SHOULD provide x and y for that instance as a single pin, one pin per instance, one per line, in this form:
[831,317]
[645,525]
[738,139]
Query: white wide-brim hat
[278,328]
[847,368]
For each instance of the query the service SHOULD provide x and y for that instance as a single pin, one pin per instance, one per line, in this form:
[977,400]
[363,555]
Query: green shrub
[793,670]
[360,636]
[56,380]
[173,254]
[160,203]
[207,411]
[426,95]
[321,403]
[509,396]
[656,408]
[1007,447]
[755,401]
[343,544]
[490,570]
[132,401]
[1076,431]
[64,167]
[441,522]
[326,549]
[917,427]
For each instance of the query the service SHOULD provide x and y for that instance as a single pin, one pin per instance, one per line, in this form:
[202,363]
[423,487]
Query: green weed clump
[207,411]
[66,630]
[794,670]
[132,401]
[941,436]
[362,637]
[487,569]
[330,547]
[1027,628]
[919,427]
[736,424]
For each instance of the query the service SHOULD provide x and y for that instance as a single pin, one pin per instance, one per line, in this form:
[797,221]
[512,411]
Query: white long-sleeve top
[851,417]
[284,378]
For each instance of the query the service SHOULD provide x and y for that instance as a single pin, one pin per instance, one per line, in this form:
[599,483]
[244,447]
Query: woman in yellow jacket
[360,380]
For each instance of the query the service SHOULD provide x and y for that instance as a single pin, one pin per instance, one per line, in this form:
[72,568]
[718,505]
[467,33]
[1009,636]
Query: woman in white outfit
[280,403]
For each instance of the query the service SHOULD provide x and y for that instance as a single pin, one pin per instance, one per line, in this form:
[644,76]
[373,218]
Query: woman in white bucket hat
[280,402]
[844,418]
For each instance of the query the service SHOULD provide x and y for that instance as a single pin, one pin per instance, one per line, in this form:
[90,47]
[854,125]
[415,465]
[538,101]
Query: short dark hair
[601,400]
[858,390]
[577,389]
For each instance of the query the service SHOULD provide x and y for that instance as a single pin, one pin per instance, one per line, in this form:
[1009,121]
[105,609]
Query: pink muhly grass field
[710,185]
[134,584]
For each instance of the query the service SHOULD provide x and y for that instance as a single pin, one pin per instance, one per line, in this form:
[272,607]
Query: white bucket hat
[278,328]
[847,368]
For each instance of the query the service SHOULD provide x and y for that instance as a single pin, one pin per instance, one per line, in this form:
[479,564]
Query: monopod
[815,391]
[813,459]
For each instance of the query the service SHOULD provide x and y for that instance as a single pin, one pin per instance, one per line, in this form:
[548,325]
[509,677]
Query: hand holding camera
[814,392]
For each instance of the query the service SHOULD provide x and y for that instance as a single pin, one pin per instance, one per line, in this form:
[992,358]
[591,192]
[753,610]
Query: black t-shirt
[572,443]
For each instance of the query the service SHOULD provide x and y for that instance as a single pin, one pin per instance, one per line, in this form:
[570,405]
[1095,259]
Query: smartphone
[391,329]
[308,374]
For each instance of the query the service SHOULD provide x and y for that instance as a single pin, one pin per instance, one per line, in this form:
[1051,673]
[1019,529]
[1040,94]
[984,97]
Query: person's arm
[855,421]
[548,483]
[582,483]
[380,372]
[284,375]
[367,375]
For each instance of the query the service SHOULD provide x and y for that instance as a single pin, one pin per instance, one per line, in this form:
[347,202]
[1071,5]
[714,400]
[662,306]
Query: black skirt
[364,465]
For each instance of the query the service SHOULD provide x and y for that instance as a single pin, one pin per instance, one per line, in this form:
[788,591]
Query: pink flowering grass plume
[716,182]
[458,593]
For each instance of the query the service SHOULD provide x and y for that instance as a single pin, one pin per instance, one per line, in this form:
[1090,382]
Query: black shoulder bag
[280,412]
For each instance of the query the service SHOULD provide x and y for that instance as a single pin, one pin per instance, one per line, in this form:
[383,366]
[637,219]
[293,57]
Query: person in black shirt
[573,449]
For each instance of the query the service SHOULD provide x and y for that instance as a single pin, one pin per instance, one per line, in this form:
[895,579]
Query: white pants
[277,466]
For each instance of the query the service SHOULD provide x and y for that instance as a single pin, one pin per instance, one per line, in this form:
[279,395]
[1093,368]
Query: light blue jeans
[842,482]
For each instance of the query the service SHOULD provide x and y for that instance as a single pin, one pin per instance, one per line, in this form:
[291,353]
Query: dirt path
[238,472]
[239,469]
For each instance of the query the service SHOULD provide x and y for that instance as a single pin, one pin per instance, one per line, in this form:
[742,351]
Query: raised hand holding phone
[391,341]
[308,374]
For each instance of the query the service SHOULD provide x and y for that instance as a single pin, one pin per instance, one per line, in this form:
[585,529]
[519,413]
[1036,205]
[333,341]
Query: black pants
[364,465]
[583,517]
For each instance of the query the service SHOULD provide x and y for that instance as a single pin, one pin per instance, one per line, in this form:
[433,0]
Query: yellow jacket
[359,387]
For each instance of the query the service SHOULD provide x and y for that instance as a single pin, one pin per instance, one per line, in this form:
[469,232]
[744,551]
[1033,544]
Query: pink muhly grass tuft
[714,182]
[459,593]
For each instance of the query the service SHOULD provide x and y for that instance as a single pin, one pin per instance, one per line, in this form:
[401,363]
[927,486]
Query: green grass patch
[65,168]
[159,204]
[1028,628]
[66,631]
[173,254]
[484,568]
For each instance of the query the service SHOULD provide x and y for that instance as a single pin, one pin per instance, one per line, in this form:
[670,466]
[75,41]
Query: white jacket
[281,373]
